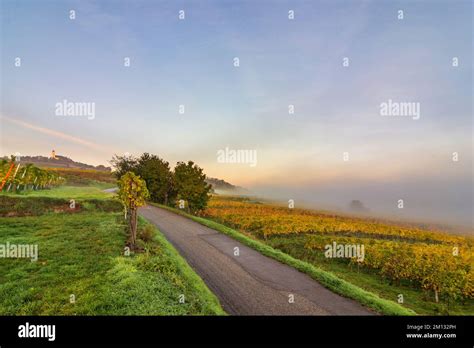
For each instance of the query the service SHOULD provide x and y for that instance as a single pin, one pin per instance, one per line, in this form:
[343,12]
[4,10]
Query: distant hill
[60,162]
[63,162]
[221,186]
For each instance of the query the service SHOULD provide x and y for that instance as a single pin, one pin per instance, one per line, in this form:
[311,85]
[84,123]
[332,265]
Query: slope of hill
[59,162]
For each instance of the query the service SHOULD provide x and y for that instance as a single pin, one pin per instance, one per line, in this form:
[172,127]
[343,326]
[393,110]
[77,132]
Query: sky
[282,62]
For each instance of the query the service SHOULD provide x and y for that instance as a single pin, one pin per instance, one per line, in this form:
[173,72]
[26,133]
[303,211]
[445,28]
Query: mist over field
[430,201]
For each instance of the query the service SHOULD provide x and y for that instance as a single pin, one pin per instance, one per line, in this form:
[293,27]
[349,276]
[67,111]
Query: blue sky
[282,62]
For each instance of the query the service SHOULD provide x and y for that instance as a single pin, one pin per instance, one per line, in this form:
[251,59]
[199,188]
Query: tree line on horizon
[186,183]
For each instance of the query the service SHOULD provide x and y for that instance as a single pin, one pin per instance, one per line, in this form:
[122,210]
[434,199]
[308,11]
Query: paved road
[248,284]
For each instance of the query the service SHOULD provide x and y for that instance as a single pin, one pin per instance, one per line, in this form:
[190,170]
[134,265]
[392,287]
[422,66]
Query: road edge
[325,278]
[188,273]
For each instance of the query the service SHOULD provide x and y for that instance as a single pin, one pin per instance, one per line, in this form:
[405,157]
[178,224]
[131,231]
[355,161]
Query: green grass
[70,192]
[82,254]
[326,278]
[15,206]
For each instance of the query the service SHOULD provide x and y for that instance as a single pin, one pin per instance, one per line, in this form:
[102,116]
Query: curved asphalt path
[251,283]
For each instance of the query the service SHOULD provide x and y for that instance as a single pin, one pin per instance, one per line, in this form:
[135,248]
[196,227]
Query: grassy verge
[70,192]
[160,278]
[15,206]
[82,254]
[326,278]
